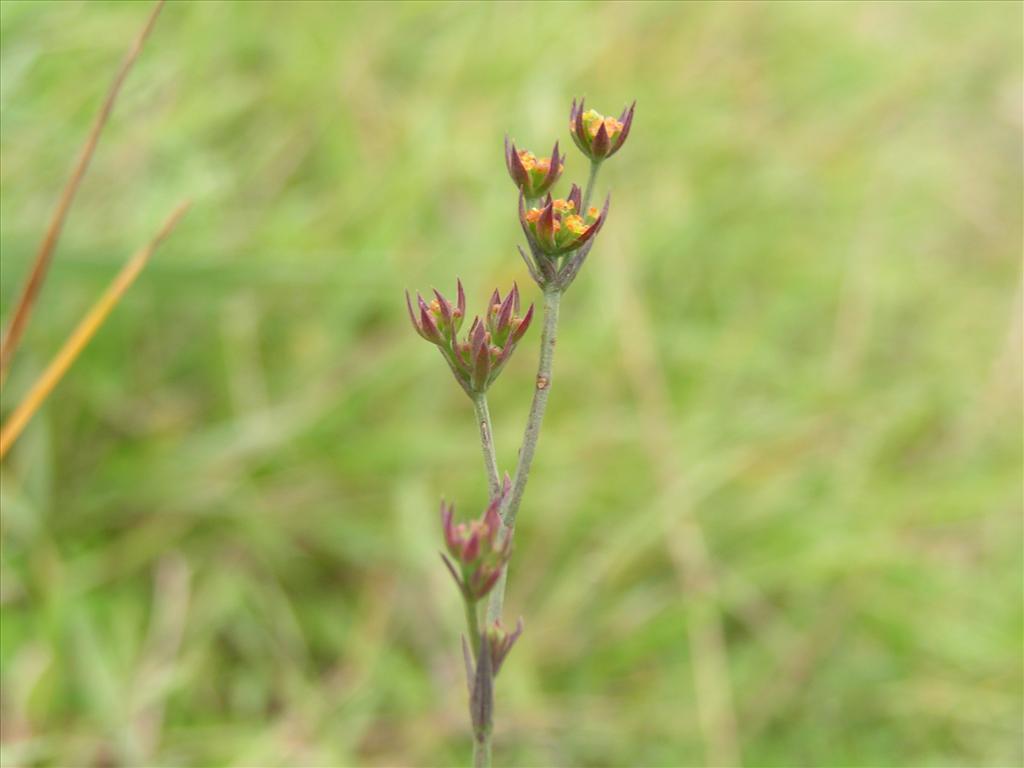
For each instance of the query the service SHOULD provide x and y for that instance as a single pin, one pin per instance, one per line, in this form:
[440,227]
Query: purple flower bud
[534,176]
[597,136]
[501,642]
[479,548]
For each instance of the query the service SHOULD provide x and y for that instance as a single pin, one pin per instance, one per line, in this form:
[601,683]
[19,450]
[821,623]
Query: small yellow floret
[563,206]
[532,215]
[593,213]
[575,224]
[527,159]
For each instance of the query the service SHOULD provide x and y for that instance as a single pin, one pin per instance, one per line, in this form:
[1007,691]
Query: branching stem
[542,387]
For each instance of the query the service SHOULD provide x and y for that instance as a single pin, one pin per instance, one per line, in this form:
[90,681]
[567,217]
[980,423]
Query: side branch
[483,421]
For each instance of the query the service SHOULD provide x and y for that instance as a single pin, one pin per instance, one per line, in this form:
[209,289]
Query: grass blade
[82,334]
[23,307]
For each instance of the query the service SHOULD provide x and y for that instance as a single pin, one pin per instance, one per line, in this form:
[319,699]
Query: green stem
[482,752]
[541,390]
[481,741]
[472,626]
[595,166]
[483,420]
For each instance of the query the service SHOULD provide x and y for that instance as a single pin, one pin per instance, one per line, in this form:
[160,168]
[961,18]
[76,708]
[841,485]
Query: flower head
[559,226]
[478,358]
[597,136]
[533,175]
[477,549]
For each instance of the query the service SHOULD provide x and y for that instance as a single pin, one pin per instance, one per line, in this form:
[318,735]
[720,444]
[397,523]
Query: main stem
[472,626]
[482,752]
[542,388]
[483,420]
[481,741]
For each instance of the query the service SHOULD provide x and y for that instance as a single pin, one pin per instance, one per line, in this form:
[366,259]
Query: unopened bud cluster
[478,550]
[477,359]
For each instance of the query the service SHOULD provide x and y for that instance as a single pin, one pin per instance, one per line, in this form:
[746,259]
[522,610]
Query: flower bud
[478,550]
[597,136]
[501,642]
[559,226]
[534,176]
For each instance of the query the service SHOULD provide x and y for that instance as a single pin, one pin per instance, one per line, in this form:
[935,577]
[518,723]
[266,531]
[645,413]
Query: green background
[776,509]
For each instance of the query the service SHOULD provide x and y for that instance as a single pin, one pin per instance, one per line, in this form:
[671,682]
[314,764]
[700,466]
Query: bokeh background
[776,512]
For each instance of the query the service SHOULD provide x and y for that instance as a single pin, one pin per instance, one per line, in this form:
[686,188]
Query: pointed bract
[415,322]
[430,327]
[481,367]
[505,313]
[524,324]
[445,309]
[576,198]
[602,142]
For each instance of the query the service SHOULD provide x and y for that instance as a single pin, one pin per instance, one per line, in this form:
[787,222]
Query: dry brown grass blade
[25,302]
[82,334]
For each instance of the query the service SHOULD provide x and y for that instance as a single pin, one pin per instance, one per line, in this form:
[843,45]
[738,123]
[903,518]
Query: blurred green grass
[800,330]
